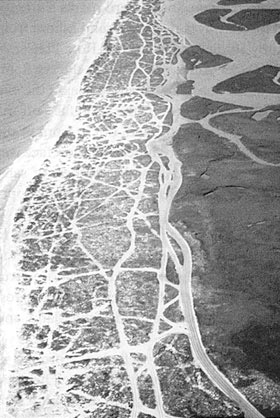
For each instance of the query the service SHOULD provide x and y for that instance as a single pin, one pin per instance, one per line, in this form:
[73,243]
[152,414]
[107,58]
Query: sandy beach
[140,244]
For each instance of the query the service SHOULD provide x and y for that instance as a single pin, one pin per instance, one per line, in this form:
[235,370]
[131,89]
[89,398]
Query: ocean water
[36,50]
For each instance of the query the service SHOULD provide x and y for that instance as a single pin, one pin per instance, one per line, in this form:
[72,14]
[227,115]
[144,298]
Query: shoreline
[14,180]
[60,111]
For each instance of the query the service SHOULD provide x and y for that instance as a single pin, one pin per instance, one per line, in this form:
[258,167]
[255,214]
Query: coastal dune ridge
[14,180]
[113,243]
